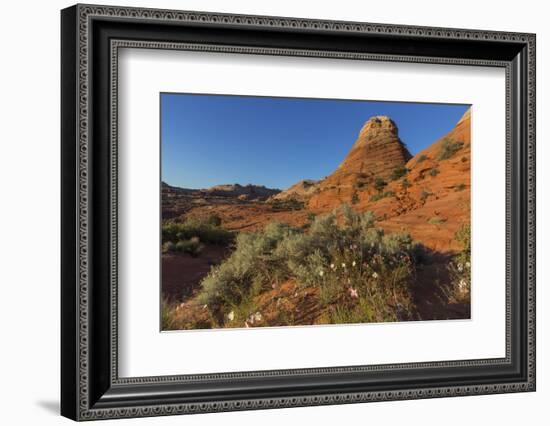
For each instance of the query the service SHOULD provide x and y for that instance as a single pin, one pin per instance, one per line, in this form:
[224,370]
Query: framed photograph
[263,212]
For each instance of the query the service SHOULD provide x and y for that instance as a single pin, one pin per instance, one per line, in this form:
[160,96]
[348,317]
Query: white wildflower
[231,316]
[343,265]
[205,306]
[460,267]
[467,264]
[374,275]
[332,266]
[321,273]
[257,316]
[353,293]
[353,263]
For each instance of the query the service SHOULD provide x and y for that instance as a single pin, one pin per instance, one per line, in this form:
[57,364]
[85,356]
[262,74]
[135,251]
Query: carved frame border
[87,12]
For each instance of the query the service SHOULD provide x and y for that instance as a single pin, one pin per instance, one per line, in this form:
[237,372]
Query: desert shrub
[463,159]
[353,263]
[398,173]
[376,197]
[460,187]
[214,220]
[448,148]
[460,268]
[434,172]
[245,272]
[355,198]
[437,220]
[191,246]
[311,216]
[463,236]
[205,231]
[421,159]
[168,247]
[424,195]
[166,315]
[171,320]
[379,183]
[289,204]
[405,184]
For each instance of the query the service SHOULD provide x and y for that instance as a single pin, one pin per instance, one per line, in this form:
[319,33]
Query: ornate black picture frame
[91,36]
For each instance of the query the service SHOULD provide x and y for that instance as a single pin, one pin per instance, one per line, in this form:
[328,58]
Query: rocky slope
[436,200]
[300,191]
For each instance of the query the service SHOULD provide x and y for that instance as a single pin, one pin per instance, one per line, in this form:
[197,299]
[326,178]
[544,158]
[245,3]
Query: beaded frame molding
[91,38]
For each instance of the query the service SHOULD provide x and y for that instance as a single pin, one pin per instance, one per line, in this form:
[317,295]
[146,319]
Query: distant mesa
[242,192]
[247,192]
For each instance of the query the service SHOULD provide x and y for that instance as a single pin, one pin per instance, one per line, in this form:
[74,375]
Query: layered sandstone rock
[375,155]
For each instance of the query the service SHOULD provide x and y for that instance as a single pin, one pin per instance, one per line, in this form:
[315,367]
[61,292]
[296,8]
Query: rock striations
[376,154]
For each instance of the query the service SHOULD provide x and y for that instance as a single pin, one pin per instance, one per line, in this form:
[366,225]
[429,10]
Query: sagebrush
[360,273]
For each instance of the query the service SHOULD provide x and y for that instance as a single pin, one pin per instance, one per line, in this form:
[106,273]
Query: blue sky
[209,140]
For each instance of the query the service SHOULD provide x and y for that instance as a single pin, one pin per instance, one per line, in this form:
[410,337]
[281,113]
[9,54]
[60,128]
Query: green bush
[355,198]
[349,260]
[381,195]
[311,216]
[191,246]
[421,159]
[434,172]
[437,220]
[289,204]
[405,184]
[424,195]
[398,173]
[379,183]
[463,236]
[448,148]
[214,220]
[205,231]
[245,272]
[460,268]
[460,187]
[168,247]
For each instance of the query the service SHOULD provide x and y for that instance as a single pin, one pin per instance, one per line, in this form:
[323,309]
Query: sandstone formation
[300,191]
[376,154]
